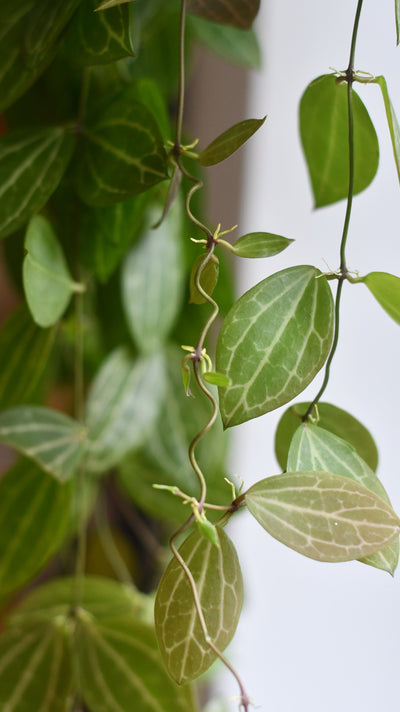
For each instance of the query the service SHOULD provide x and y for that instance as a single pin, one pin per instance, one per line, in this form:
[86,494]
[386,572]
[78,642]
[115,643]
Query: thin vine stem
[349,78]
[181,91]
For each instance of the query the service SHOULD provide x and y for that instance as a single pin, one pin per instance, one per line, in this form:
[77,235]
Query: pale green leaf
[397,12]
[48,284]
[122,154]
[239,13]
[32,163]
[260,244]
[24,358]
[98,38]
[52,439]
[229,141]
[206,276]
[393,123]
[314,448]
[36,668]
[273,341]
[152,281]
[324,516]
[234,45]
[324,134]
[386,290]
[331,418]
[123,403]
[217,576]
[218,379]
[35,512]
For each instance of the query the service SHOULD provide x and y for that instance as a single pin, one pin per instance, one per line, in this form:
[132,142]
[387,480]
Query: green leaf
[234,45]
[48,284]
[120,662]
[46,22]
[24,358]
[260,244]
[36,667]
[239,13]
[152,281]
[324,516]
[314,448]
[52,439]
[386,290]
[36,509]
[108,232]
[208,278]
[122,153]
[393,123]
[397,12]
[106,4]
[331,418]
[32,163]
[217,576]
[324,135]
[218,379]
[123,404]
[229,141]
[273,342]
[98,38]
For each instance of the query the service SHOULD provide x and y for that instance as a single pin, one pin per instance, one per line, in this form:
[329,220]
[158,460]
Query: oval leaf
[273,342]
[386,290]
[331,418]
[37,510]
[324,135]
[52,439]
[208,278]
[260,244]
[32,163]
[218,379]
[47,280]
[123,404]
[229,142]
[218,579]
[323,516]
[239,13]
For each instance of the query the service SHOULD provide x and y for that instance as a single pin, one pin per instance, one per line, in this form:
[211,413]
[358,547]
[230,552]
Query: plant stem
[181,90]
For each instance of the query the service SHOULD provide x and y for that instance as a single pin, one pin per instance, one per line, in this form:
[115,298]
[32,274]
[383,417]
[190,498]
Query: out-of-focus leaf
[386,290]
[35,512]
[331,418]
[260,244]
[217,576]
[208,278]
[324,134]
[235,45]
[393,123]
[106,4]
[32,163]
[239,13]
[397,12]
[229,141]
[52,439]
[24,358]
[48,284]
[273,342]
[324,516]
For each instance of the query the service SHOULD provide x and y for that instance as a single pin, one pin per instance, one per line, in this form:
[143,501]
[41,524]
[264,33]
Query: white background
[320,637]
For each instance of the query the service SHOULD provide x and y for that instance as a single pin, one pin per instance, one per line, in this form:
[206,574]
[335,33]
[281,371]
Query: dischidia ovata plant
[99,202]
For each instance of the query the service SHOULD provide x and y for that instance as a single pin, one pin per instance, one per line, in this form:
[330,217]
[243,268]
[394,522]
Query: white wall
[321,637]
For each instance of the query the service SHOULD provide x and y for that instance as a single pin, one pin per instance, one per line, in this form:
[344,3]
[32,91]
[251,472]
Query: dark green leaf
[32,163]
[239,13]
[46,22]
[314,448]
[152,281]
[123,404]
[324,516]
[48,284]
[95,38]
[208,278]
[386,290]
[260,244]
[331,418]
[273,342]
[217,576]
[122,153]
[324,134]
[35,512]
[106,4]
[52,439]
[229,141]
[393,123]
[235,45]
[24,357]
